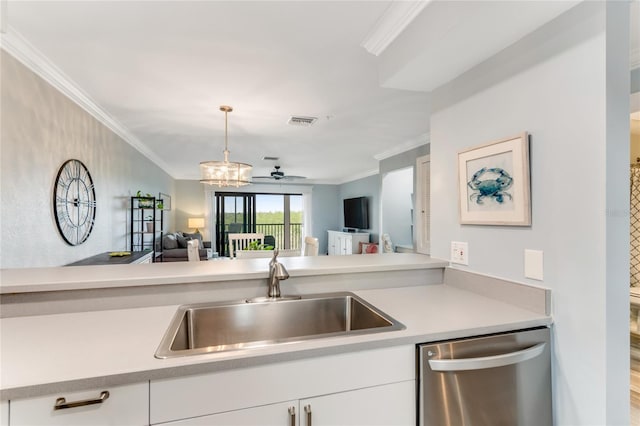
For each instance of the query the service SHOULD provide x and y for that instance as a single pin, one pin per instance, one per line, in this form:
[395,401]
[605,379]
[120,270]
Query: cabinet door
[4,413]
[347,244]
[126,405]
[392,404]
[282,414]
[331,243]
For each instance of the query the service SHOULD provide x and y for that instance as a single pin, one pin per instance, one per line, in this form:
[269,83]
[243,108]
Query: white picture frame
[494,183]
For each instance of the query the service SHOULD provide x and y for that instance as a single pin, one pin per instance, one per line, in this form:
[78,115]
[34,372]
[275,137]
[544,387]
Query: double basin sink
[215,327]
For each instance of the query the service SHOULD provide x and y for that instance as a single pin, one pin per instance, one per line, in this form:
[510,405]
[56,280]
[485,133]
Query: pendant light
[225,173]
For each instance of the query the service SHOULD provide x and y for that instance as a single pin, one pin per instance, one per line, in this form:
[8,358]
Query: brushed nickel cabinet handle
[292,416]
[62,403]
[307,409]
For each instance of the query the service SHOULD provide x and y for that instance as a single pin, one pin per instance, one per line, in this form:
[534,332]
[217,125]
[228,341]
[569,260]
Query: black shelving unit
[147,224]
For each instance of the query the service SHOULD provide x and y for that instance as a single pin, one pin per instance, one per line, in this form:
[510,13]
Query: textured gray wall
[41,129]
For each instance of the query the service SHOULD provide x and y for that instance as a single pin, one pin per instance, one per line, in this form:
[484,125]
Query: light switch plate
[460,252]
[534,264]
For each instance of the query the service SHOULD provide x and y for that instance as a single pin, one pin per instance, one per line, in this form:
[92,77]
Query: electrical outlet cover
[534,264]
[460,252]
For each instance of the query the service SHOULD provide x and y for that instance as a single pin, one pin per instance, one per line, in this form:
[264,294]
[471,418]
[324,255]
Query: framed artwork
[166,201]
[493,182]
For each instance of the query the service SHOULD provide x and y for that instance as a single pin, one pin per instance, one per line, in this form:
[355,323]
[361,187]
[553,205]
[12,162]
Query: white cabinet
[388,405]
[341,243]
[261,386]
[125,405]
[4,413]
[281,414]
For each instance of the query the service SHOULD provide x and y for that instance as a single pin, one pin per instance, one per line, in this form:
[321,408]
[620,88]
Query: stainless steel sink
[215,327]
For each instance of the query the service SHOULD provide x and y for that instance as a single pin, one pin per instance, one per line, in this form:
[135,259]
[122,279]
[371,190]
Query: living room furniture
[107,259]
[192,250]
[242,241]
[146,226]
[174,246]
[342,243]
[311,246]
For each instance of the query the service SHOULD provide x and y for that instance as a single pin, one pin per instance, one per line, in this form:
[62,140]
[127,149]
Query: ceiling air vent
[297,120]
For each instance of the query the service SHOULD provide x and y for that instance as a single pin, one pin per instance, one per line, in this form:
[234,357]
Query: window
[277,215]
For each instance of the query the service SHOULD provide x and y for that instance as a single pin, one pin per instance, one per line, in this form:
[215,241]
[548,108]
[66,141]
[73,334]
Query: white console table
[341,243]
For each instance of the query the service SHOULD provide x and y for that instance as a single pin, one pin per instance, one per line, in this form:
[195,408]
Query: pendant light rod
[226,109]
[225,173]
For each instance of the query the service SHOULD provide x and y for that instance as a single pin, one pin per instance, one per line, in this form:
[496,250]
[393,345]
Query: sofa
[174,246]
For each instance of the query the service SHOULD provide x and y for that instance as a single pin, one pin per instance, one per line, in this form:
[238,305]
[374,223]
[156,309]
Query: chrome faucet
[277,272]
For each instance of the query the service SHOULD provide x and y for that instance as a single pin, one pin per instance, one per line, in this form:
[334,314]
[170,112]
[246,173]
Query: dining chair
[311,246]
[241,241]
[193,250]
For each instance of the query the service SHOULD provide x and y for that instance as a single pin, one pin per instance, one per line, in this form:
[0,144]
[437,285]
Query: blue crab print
[492,188]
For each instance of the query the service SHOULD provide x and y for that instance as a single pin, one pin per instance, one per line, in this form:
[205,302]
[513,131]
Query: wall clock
[74,202]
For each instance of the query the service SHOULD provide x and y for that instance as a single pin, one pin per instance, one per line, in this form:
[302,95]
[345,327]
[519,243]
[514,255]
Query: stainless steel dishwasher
[501,379]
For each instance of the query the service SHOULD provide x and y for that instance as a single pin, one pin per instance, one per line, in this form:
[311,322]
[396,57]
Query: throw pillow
[195,236]
[368,248]
[182,241]
[169,242]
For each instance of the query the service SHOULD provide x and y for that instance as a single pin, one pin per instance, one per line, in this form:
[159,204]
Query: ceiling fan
[276,174]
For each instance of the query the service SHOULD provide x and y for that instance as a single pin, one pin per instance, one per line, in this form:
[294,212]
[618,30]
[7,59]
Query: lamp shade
[196,222]
[225,173]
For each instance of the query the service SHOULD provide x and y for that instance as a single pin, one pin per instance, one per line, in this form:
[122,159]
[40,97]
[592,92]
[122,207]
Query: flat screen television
[356,213]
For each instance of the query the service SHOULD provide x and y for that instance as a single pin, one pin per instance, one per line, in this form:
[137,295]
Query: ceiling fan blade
[293,177]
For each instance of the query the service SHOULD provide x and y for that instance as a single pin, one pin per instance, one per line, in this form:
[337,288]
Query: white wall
[41,129]
[557,85]
[396,199]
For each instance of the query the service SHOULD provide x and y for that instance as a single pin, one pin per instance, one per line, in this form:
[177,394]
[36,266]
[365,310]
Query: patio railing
[277,230]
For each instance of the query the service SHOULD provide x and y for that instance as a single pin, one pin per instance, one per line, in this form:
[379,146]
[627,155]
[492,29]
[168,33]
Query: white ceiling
[162,69]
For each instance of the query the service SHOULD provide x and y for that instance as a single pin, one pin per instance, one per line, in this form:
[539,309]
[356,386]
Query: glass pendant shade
[225,173]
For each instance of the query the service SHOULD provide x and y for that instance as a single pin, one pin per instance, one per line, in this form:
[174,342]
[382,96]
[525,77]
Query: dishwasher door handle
[486,361]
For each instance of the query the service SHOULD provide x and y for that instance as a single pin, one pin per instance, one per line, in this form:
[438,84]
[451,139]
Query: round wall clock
[74,202]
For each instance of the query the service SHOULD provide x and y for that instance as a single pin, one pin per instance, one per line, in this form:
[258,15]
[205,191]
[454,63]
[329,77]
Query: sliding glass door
[278,216]
[235,213]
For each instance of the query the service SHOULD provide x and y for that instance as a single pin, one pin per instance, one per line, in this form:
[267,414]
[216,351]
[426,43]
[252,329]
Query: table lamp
[196,222]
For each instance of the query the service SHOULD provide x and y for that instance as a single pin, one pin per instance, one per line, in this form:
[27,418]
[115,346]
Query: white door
[388,405]
[422,209]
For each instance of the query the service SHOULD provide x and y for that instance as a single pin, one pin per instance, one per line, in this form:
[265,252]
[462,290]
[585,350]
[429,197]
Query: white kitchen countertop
[52,353]
[113,276]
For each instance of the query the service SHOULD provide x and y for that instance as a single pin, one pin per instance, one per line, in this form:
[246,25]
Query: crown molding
[357,176]
[17,46]
[403,147]
[395,19]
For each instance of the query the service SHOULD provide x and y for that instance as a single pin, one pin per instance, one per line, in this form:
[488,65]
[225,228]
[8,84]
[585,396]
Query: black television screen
[356,213]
